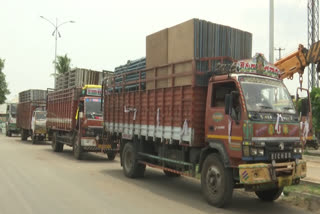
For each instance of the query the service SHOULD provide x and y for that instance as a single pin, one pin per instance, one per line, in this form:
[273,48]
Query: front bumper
[281,174]
[91,144]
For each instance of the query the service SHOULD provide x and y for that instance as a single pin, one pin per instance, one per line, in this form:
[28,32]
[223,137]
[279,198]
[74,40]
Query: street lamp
[56,33]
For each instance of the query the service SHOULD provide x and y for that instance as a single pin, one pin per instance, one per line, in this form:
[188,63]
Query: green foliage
[63,64]
[315,102]
[3,84]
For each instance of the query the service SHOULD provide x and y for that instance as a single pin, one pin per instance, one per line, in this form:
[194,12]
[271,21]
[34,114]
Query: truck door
[221,127]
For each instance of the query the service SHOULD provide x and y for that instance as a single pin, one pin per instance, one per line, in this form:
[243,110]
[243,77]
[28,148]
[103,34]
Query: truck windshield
[41,115]
[266,95]
[13,109]
[93,108]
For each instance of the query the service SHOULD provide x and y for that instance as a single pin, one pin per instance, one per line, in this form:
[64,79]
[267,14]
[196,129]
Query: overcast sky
[108,33]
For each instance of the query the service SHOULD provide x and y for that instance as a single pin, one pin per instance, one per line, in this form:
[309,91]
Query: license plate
[105,146]
[284,181]
[280,155]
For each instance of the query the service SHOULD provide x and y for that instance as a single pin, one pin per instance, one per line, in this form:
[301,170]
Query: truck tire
[216,181]
[270,194]
[9,134]
[24,135]
[56,146]
[171,174]
[111,155]
[34,138]
[131,167]
[77,149]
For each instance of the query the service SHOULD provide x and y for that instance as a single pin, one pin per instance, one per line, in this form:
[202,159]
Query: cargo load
[193,39]
[78,77]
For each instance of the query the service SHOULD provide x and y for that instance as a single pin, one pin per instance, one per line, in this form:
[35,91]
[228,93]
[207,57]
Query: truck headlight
[261,152]
[297,150]
[254,151]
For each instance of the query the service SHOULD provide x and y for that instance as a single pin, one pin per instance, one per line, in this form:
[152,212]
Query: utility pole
[313,36]
[271,32]
[279,49]
[55,33]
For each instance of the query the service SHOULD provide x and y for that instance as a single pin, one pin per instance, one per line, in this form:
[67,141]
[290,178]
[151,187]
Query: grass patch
[302,188]
[306,152]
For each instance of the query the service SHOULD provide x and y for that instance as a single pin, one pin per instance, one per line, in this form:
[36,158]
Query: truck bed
[173,114]
[61,109]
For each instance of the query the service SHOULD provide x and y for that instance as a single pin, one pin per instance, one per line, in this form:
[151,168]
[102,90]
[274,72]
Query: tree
[3,84]
[63,64]
[315,103]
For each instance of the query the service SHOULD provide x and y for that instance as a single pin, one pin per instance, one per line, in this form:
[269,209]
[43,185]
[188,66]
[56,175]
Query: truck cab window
[219,91]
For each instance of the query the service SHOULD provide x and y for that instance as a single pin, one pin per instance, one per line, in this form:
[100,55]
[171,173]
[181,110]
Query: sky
[108,33]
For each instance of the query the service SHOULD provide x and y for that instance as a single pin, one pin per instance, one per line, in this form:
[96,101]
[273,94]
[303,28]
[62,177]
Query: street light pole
[55,33]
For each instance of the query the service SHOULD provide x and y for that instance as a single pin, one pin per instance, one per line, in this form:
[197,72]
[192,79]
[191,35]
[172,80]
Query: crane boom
[297,61]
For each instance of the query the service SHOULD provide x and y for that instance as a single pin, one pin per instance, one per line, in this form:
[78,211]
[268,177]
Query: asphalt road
[34,179]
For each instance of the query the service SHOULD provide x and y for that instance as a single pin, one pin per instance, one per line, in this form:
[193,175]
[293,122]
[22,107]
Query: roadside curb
[313,158]
[310,182]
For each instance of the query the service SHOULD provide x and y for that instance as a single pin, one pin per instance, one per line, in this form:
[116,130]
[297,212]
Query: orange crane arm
[294,63]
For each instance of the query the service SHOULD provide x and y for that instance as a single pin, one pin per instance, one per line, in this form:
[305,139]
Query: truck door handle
[211,128]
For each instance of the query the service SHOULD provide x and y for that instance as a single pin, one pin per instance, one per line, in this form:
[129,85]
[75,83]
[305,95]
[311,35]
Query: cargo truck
[241,130]
[31,118]
[11,123]
[75,119]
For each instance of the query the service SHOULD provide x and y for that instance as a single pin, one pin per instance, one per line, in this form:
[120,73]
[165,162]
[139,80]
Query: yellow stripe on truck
[224,137]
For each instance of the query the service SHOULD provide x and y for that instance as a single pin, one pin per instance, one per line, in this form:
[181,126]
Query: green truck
[11,125]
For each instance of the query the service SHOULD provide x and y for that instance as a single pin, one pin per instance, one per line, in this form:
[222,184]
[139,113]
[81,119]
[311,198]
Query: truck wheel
[270,194]
[111,155]
[9,134]
[216,181]
[131,167]
[24,135]
[77,149]
[34,138]
[171,174]
[56,146]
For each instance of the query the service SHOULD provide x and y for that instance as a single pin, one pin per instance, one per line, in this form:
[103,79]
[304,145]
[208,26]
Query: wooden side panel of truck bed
[61,109]
[175,113]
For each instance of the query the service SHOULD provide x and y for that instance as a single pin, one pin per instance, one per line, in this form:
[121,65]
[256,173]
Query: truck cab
[90,123]
[250,116]
[11,124]
[38,125]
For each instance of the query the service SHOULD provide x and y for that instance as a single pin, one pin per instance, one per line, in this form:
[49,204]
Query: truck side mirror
[80,114]
[228,104]
[305,107]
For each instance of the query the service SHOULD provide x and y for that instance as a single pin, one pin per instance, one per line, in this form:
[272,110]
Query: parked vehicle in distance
[11,123]
[74,118]
[240,131]
[32,104]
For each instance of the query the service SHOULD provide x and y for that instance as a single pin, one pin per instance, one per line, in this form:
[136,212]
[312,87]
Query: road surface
[34,179]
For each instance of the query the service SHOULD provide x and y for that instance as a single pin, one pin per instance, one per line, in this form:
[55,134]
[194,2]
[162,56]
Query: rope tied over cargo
[184,128]
[134,110]
[277,126]
[229,129]
[158,117]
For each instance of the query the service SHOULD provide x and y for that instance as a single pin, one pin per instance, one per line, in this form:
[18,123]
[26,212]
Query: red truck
[31,115]
[239,131]
[74,118]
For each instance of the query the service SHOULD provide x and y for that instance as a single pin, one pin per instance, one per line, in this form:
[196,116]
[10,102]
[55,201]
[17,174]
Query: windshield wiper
[264,107]
[287,108]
